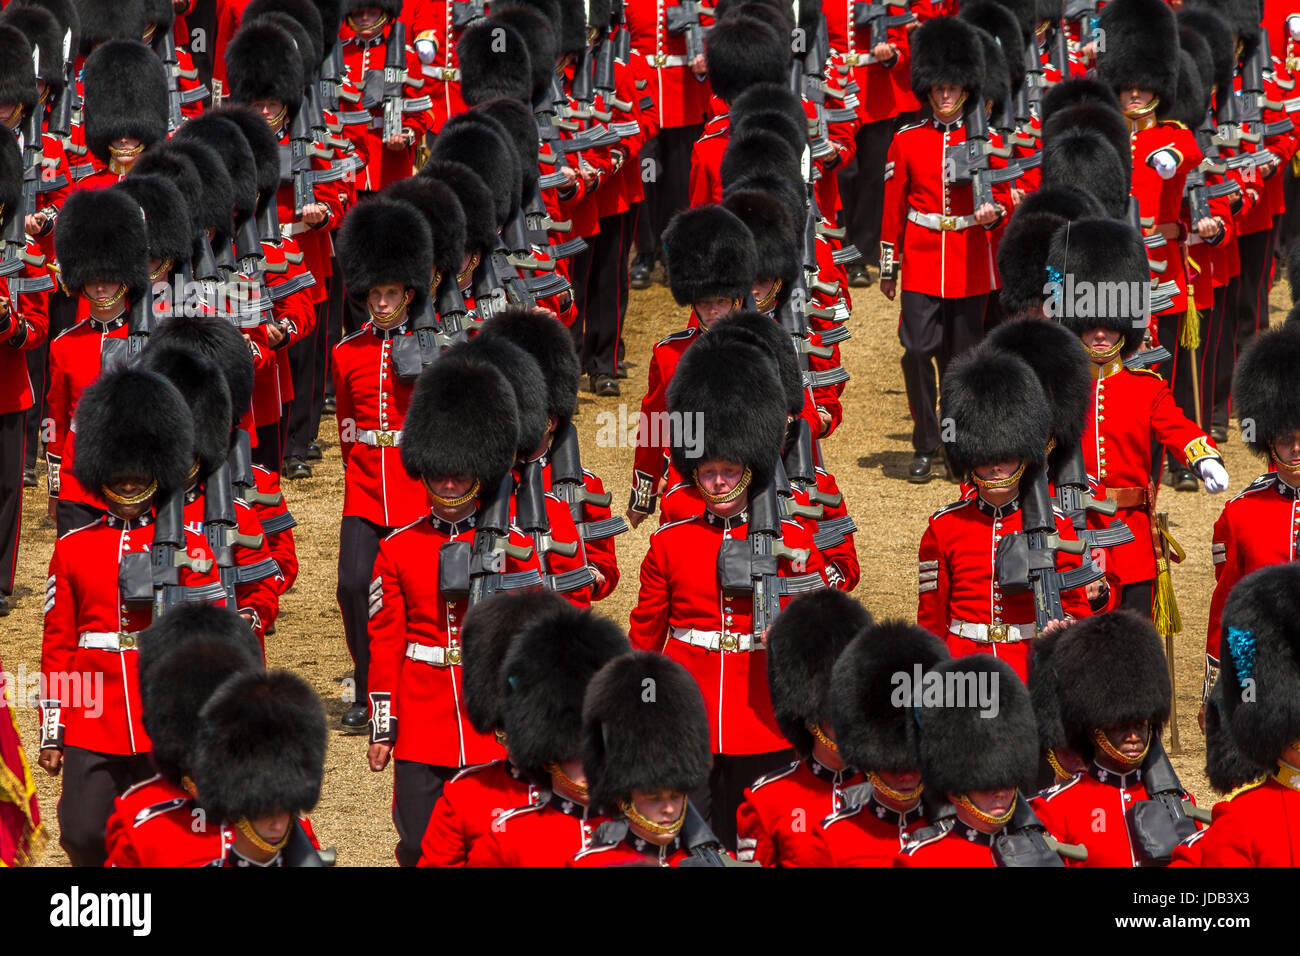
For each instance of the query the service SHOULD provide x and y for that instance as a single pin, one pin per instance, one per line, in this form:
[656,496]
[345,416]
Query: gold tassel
[1191,336]
[1165,607]
[1295,165]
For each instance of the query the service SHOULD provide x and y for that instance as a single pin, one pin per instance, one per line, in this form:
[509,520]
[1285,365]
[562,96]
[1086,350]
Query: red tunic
[950,843]
[683,97]
[1162,199]
[277,525]
[156,823]
[471,803]
[601,554]
[24,327]
[539,834]
[879,85]
[1259,825]
[706,159]
[432,20]
[652,434]
[780,816]
[869,834]
[632,850]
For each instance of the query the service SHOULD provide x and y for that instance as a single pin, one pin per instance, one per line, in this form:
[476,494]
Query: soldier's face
[709,311]
[904,781]
[1100,340]
[385,302]
[273,827]
[269,110]
[998,471]
[365,19]
[946,99]
[1129,738]
[993,802]
[10,114]
[449,488]
[129,487]
[1134,99]
[1287,449]
[661,807]
[101,294]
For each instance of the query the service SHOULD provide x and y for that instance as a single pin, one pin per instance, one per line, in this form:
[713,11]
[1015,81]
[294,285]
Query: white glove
[1214,475]
[1164,163]
[1293,26]
[426,50]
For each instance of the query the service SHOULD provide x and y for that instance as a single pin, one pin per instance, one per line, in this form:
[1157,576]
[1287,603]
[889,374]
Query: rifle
[752,565]
[465,12]
[685,19]
[13,240]
[568,485]
[611,49]
[140,322]
[1160,823]
[221,529]
[301,147]
[877,18]
[241,473]
[1084,13]
[153,577]
[60,122]
[530,515]
[1199,194]
[1074,497]
[1026,842]
[394,78]
[969,161]
[476,570]
[454,319]
[164,44]
[801,469]
[704,847]
[1027,559]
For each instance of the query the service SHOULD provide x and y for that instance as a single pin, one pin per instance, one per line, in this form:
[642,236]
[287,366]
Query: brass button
[127,641]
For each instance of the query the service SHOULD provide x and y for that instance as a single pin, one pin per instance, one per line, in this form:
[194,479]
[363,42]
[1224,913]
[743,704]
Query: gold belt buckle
[661,60]
[453,655]
[851,59]
[947,223]
[997,633]
[125,641]
[449,74]
[730,642]
[384,439]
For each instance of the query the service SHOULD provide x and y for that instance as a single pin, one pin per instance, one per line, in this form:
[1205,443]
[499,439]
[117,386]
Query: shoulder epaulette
[85,527]
[473,768]
[927,835]
[916,125]
[677,336]
[1174,123]
[774,775]
[673,524]
[158,810]
[1259,484]
[396,531]
[519,811]
[1058,789]
[594,848]
[1146,371]
[1234,794]
[143,783]
[679,486]
[844,814]
[948,509]
[349,338]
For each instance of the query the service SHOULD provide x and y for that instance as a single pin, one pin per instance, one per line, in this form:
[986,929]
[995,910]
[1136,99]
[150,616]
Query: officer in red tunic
[780,815]
[975,756]
[930,227]
[693,605]
[460,438]
[125,109]
[472,800]
[386,253]
[644,755]
[1260,525]
[543,677]
[138,440]
[1252,825]
[1111,717]
[1000,426]
[883,811]
[712,265]
[259,758]
[1131,409]
[184,657]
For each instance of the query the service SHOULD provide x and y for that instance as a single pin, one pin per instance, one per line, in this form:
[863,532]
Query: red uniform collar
[1110,777]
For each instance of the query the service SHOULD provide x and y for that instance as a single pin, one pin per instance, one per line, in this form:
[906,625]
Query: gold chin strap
[163,268]
[996,483]
[500,736]
[380,320]
[434,283]
[1282,466]
[1101,740]
[246,828]
[1105,355]
[572,786]
[189,787]
[1141,115]
[731,495]
[1054,762]
[649,826]
[822,739]
[464,499]
[377,25]
[194,470]
[112,300]
[898,796]
[963,801]
[765,304]
[278,118]
[139,499]
[956,110]
[463,276]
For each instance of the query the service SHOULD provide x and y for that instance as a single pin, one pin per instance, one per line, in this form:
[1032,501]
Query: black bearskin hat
[758,153]
[550,344]
[302,12]
[490,627]
[17,71]
[775,239]
[571,27]
[331,16]
[1076,91]
[803,644]
[260,747]
[309,47]
[526,379]
[599,13]
[1045,696]
[102,236]
[1259,670]
[1022,261]
[184,656]
[181,172]
[204,389]
[217,197]
[125,95]
[741,52]
[133,422]
[263,63]
[390,8]
[1141,49]
[1096,118]
[764,330]
[644,727]
[995,86]
[170,228]
[1193,99]
[1107,258]
[518,125]
[100,21]
[1226,766]
[1242,18]
[1093,693]
[731,391]
[946,50]
[965,748]
[1217,34]
[1068,202]
[773,107]
[993,406]
[1025,14]
[710,254]
[475,200]
[67,22]
[11,178]
[873,729]
[226,139]
[159,14]
[442,212]
[1083,158]
[462,421]
[543,677]
[471,140]
[266,150]
[384,242]
[536,43]
[221,342]
[42,29]
[1264,395]
[494,61]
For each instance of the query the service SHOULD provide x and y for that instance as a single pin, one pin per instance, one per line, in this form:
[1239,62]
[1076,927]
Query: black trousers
[1208,356]
[71,515]
[1138,597]
[63,315]
[358,547]
[416,788]
[91,781]
[720,797]
[862,186]
[1227,356]
[579,276]
[1252,296]
[269,452]
[1178,372]
[630,226]
[597,331]
[933,331]
[667,183]
[13,436]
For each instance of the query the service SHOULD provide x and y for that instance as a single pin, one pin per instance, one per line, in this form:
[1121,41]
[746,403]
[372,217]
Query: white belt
[663,59]
[853,59]
[448,74]
[288,229]
[932,220]
[379,439]
[715,640]
[993,633]
[437,656]
[105,641]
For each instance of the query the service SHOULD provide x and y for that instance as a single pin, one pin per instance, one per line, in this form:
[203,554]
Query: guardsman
[459,438]
[386,254]
[543,677]
[730,394]
[1112,718]
[1260,525]
[876,734]
[436,27]
[473,799]
[160,23]
[137,441]
[125,109]
[932,230]
[184,657]
[1000,427]
[644,756]
[259,758]
[780,815]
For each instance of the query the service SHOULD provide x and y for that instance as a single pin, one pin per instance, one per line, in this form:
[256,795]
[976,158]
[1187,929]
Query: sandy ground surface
[869,455]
